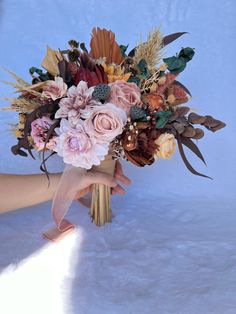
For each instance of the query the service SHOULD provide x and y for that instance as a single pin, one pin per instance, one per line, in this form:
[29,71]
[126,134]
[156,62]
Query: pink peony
[104,122]
[124,95]
[77,99]
[39,130]
[77,147]
[55,89]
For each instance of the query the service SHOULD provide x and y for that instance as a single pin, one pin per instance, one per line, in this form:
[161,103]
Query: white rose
[166,146]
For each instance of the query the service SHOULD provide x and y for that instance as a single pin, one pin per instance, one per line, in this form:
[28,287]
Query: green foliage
[41,75]
[134,79]
[143,69]
[123,49]
[163,117]
[73,43]
[177,64]
[186,53]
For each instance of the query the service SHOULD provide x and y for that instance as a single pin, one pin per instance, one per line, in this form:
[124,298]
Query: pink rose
[55,89]
[105,122]
[77,147]
[124,95]
[77,99]
[39,130]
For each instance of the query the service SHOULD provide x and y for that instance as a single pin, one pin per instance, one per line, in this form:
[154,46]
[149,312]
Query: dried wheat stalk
[151,50]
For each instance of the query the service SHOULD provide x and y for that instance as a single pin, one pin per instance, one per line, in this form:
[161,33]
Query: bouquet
[92,107]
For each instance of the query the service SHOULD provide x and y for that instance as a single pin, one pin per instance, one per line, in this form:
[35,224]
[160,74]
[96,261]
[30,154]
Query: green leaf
[41,75]
[161,122]
[186,53]
[163,114]
[123,49]
[175,64]
[134,79]
[143,69]
[142,65]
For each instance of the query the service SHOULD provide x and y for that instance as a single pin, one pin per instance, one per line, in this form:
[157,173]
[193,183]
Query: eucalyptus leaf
[161,122]
[163,114]
[175,64]
[186,53]
[134,79]
[123,49]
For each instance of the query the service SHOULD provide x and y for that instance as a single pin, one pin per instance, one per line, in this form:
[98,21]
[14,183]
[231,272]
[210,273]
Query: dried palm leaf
[51,60]
[103,44]
[151,50]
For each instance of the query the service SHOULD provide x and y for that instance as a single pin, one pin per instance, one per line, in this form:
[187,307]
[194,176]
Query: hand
[119,175]
[91,177]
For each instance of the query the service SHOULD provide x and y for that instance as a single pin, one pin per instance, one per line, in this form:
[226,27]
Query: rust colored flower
[153,101]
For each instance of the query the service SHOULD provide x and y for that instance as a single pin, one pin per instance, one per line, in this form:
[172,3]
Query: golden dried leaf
[51,60]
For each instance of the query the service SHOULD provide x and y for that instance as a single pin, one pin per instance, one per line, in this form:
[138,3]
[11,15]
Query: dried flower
[124,95]
[166,146]
[77,99]
[105,122]
[39,130]
[55,89]
[78,148]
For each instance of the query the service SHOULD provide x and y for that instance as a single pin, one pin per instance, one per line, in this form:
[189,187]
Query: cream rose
[105,122]
[166,146]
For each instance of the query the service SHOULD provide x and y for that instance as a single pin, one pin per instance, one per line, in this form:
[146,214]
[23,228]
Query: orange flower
[153,101]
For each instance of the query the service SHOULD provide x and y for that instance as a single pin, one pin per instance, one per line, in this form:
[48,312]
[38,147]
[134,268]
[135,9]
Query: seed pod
[196,119]
[101,92]
[189,132]
[199,134]
[130,141]
[137,113]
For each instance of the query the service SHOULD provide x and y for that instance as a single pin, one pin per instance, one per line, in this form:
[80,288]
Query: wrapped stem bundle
[100,210]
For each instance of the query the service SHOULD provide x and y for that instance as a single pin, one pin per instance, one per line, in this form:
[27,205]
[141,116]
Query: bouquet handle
[100,210]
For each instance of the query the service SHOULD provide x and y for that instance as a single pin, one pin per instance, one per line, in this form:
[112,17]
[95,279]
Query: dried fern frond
[22,105]
[151,50]
[104,45]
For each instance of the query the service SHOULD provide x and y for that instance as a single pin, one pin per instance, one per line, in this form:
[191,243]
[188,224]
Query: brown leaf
[193,147]
[170,38]
[51,60]
[186,162]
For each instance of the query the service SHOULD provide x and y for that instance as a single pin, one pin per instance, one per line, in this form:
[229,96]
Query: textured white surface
[171,246]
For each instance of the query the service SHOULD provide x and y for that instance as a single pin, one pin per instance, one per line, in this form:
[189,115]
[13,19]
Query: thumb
[103,178]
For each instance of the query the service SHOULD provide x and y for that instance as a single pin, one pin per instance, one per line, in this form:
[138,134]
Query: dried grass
[151,50]
[21,105]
